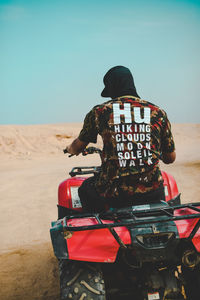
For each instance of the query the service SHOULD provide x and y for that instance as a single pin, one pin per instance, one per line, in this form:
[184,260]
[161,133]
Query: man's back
[135,133]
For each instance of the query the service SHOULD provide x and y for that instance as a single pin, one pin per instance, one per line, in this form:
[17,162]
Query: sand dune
[18,140]
[32,165]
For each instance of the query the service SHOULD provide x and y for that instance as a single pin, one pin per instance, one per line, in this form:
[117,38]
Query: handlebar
[85,170]
[91,150]
[86,151]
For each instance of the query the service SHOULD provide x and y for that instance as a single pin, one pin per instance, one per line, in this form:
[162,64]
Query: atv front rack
[84,171]
[130,217]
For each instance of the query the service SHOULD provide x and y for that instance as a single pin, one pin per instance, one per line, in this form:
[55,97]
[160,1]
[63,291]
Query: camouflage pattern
[131,152]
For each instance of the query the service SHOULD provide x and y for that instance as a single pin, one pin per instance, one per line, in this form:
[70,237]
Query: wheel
[81,281]
[192,282]
[173,286]
[166,283]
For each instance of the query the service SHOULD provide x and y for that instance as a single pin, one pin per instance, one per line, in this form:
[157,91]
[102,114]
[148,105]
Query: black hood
[119,82]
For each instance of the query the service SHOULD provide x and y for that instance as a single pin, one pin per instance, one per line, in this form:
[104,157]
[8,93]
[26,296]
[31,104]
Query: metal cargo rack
[130,217]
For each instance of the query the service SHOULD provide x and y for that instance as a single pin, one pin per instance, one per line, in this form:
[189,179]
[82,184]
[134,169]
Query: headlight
[155,240]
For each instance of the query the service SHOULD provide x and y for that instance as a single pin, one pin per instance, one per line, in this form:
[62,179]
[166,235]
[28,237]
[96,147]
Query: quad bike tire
[81,281]
[192,282]
[167,283]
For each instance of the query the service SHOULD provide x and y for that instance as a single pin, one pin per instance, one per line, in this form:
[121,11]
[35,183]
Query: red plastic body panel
[95,245]
[100,245]
[171,189]
[64,191]
[65,196]
[185,227]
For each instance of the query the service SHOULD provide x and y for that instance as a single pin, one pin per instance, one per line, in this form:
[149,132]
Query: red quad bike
[142,252]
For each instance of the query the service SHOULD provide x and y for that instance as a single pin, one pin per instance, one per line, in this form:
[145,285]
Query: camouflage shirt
[135,133]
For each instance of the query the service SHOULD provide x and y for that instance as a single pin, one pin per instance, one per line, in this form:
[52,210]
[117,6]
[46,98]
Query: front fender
[96,245]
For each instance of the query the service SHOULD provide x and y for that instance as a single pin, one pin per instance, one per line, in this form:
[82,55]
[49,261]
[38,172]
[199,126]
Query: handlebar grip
[65,151]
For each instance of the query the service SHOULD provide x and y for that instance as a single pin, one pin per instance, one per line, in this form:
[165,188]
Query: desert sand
[32,165]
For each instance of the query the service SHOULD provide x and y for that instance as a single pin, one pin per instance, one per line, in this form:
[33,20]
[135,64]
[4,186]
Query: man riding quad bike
[123,232]
[135,134]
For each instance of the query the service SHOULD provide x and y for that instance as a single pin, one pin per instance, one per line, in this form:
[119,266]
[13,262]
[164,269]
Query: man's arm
[169,158]
[76,147]
[167,141]
[87,135]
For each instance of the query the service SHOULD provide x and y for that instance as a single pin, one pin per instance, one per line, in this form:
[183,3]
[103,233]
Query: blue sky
[54,54]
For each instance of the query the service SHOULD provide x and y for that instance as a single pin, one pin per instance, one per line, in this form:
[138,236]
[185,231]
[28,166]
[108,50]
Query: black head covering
[119,82]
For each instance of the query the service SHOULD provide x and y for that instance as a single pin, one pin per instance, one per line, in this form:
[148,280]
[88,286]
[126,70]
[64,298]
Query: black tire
[192,282]
[166,281]
[81,281]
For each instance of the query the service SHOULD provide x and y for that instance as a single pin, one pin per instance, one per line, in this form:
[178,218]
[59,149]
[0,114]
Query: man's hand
[169,158]
[76,147]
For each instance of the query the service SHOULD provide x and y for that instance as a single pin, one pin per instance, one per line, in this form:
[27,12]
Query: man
[136,134]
